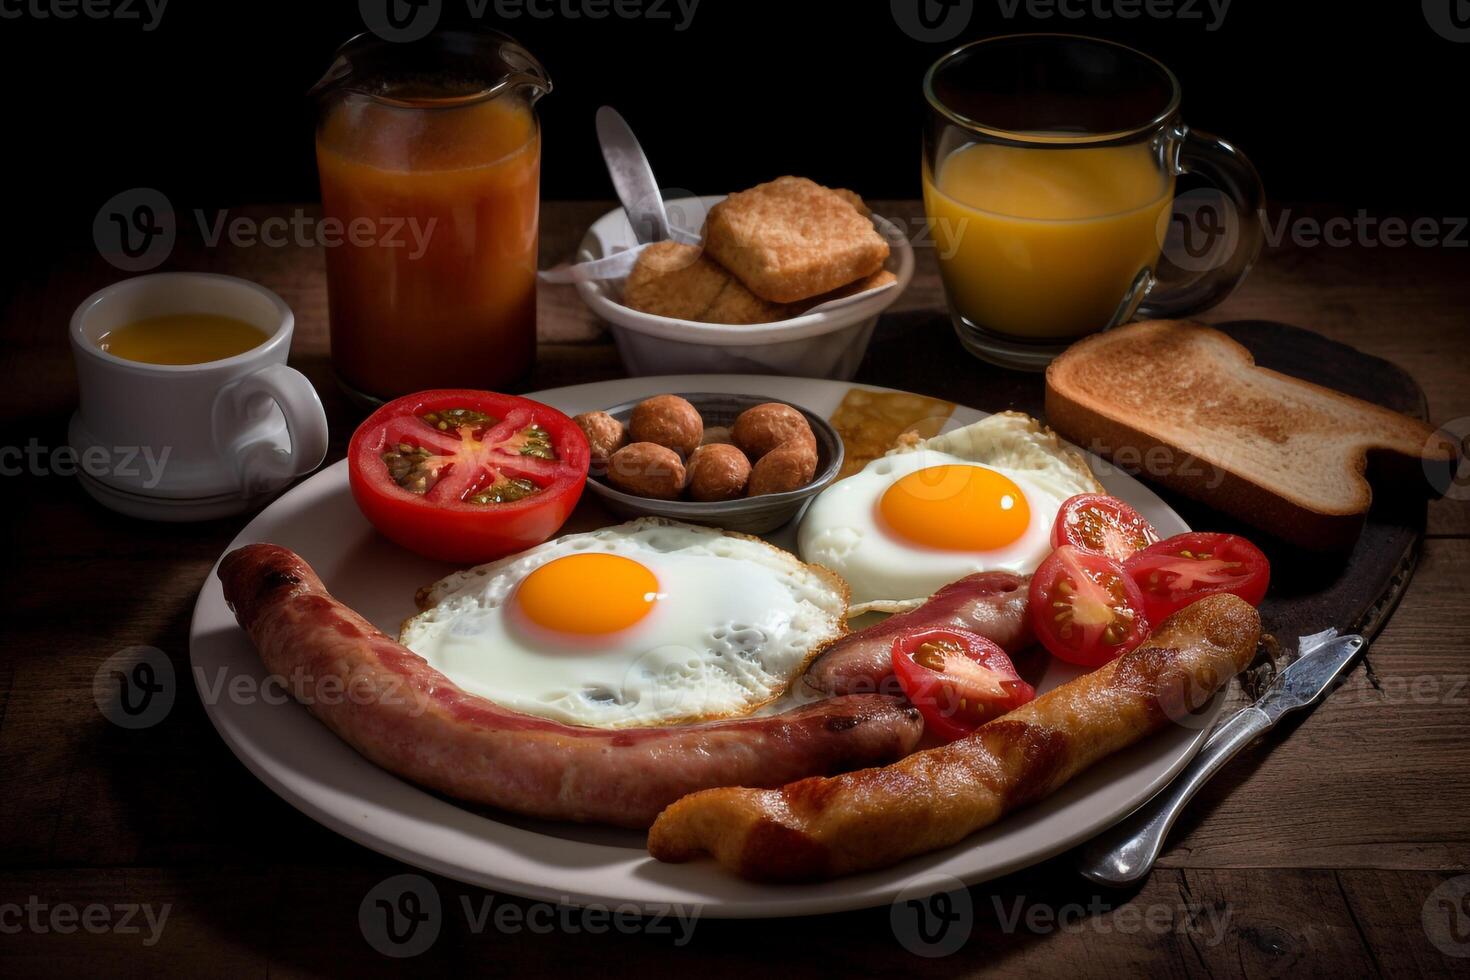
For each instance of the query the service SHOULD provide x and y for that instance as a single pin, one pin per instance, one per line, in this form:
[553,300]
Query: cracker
[853,198]
[792,239]
[672,279]
[880,278]
[736,304]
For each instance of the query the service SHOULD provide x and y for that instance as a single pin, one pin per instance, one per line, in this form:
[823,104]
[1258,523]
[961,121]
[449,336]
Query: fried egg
[652,622]
[982,497]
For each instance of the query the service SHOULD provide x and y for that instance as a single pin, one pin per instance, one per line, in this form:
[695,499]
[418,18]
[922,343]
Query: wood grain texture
[1323,841]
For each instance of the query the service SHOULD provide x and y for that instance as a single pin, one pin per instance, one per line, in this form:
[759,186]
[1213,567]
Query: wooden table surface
[1321,849]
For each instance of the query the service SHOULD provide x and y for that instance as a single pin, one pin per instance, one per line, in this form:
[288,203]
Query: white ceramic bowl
[819,345]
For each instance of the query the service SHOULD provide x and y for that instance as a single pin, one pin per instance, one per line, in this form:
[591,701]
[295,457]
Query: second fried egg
[979,498]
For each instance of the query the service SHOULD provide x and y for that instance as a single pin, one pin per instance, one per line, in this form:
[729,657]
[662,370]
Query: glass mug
[1049,186]
[429,155]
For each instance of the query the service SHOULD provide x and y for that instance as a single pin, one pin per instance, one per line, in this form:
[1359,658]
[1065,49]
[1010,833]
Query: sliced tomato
[467,476]
[1102,525]
[957,679]
[1179,570]
[1084,607]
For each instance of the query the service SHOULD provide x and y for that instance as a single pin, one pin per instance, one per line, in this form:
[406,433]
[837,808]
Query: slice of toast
[1186,406]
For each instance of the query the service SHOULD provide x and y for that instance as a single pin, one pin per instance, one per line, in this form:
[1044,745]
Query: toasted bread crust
[1096,396]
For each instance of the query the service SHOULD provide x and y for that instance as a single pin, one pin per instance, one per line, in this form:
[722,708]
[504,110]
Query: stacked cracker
[769,253]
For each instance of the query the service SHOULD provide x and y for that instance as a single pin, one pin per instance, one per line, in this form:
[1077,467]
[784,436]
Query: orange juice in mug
[1044,243]
[1049,175]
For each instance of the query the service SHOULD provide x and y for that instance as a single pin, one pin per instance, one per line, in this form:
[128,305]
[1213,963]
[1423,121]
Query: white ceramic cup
[191,441]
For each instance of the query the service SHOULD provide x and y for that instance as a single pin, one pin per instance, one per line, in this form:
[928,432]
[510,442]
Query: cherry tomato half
[1179,570]
[1085,609]
[957,679]
[467,476]
[1102,525]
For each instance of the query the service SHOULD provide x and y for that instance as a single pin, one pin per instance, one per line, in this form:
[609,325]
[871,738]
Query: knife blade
[1126,852]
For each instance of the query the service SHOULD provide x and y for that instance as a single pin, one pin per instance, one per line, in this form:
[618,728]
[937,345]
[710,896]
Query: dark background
[1333,102]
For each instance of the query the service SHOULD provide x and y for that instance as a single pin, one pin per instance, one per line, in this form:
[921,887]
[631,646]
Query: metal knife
[632,177]
[1126,852]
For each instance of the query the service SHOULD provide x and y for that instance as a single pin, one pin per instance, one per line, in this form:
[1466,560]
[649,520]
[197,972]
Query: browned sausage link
[992,604]
[820,828]
[390,705]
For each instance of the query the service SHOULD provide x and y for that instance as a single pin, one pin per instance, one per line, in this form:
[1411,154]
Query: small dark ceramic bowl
[750,515]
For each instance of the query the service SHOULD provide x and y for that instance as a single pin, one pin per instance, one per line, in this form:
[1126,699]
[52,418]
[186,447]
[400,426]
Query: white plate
[320,775]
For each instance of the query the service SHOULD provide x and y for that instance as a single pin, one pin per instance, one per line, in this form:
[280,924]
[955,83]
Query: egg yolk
[588,594]
[956,508]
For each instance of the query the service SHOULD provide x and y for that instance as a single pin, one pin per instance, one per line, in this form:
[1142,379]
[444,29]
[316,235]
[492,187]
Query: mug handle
[241,408]
[1213,232]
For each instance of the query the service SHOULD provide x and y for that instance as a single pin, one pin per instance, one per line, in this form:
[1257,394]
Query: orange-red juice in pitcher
[432,175]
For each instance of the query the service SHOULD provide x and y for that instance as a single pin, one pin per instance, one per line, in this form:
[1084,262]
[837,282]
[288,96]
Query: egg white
[737,620]
[842,529]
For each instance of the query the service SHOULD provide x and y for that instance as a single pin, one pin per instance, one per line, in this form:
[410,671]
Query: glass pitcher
[429,155]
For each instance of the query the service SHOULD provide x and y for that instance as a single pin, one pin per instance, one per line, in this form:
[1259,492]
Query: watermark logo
[932,21]
[1452,481]
[135,688]
[932,916]
[401,916]
[400,20]
[135,230]
[1202,232]
[1446,917]
[1450,19]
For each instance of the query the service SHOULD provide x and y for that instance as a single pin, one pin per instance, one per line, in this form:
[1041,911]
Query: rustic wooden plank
[1368,778]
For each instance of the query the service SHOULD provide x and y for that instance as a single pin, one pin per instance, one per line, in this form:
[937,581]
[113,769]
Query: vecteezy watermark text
[305,231]
[402,916]
[934,915]
[135,230]
[65,918]
[1210,12]
[1365,230]
[413,20]
[146,12]
[95,461]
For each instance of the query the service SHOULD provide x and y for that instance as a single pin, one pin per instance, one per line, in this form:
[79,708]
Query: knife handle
[1126,852]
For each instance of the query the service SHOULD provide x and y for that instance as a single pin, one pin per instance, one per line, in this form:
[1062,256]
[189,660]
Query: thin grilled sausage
[991,604]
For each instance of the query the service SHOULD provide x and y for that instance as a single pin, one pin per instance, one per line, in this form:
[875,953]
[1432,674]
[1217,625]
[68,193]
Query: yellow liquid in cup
[1045,244]
[182,338]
